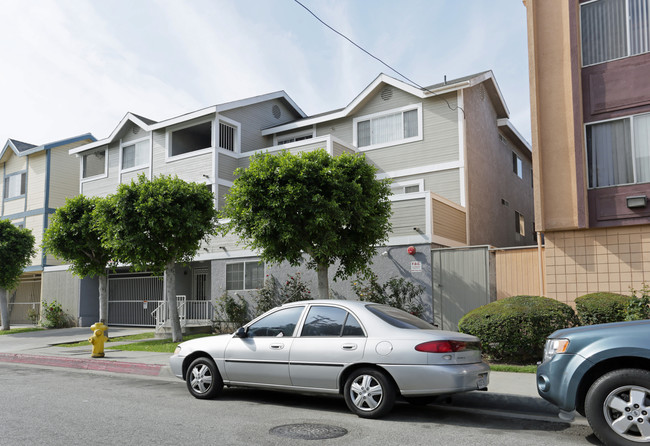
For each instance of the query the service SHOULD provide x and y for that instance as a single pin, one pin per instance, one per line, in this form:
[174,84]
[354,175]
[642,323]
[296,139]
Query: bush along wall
[514,329]
[602,308]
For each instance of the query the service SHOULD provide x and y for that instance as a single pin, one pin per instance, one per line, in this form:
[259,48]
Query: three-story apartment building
[461,175]
[34,181]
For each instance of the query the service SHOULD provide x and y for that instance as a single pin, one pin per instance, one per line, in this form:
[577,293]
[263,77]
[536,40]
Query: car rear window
[399,318]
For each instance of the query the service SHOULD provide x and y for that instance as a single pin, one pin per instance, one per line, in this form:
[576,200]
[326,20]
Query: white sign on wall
[416,267]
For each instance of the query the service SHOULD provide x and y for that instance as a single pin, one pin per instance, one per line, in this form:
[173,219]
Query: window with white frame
[618,151]
[407,187]
[612,29]
[135,154]
[227,135]
[93,164]
[294,137]
[520,224]
[190,139]
[386,128]
[15,185]
[244,276]
[517,166]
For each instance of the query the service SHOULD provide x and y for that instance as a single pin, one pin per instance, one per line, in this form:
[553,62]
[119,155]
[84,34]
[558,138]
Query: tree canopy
[16,251]
[152,224]
[73,235]
[332,208]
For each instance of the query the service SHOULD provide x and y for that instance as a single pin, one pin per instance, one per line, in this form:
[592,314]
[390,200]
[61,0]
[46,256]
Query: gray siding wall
[408,214]
[131,132]
[445,183]
[63,287]
[227,166]
[255,118]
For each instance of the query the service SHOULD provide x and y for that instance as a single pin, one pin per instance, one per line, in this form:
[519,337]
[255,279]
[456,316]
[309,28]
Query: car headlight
[178,350]
[554,346]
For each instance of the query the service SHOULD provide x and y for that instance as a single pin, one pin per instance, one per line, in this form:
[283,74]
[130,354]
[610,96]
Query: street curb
[96,364]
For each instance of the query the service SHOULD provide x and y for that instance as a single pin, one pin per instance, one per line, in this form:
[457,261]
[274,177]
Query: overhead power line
[412,82]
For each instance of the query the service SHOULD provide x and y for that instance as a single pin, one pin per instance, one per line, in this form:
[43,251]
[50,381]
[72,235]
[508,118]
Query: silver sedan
[370,353]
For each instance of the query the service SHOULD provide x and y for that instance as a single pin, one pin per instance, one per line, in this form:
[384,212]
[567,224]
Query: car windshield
[399,318]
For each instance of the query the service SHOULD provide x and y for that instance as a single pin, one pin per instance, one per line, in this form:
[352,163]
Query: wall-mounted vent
[481,92]
[135,129]
[505,202]
[386,93]
[277,112]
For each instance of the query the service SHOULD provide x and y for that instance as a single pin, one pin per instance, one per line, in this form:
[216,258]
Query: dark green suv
[602,372]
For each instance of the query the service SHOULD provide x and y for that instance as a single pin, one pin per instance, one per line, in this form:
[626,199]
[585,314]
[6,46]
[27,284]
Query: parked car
[602,372]
[368,352]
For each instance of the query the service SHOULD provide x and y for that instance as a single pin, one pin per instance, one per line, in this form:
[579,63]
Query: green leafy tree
[332,208]
[16,251]
[154,224]
[73,236]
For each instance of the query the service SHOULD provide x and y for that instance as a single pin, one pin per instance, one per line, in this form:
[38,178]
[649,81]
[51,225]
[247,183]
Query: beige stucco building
[590,110]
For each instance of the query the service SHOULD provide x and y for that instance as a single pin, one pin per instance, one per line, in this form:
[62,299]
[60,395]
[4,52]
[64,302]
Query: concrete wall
[63,287]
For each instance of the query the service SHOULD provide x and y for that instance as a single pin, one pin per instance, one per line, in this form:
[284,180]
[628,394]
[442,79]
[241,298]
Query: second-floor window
[618,151]
[15,185]
[135,155]
[612,29]
[517,166]
[227,134]
[386,128]
[190,139]
[93,164]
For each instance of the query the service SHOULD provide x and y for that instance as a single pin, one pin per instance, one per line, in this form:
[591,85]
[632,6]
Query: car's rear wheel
[618,407]
[203,379]
[369,393]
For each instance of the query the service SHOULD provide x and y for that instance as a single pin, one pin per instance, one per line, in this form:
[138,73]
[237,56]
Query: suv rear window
[399,318]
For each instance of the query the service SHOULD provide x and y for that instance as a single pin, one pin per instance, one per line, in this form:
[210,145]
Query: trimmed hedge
[514,329]
[601,308]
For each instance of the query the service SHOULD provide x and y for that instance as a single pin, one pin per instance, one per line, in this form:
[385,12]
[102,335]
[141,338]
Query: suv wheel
[618,407]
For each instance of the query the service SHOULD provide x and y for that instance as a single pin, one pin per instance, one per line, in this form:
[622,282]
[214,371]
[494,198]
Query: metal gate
[26,297]
[462,279]
[131,299]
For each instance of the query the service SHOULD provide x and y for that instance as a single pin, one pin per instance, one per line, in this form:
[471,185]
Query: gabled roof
[20,148]
[437,89]
[149,124]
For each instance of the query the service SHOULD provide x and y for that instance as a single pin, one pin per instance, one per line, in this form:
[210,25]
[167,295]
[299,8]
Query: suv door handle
[277,346]
[349,346]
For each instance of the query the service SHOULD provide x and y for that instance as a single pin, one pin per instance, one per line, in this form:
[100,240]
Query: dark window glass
[399,318]
[352,327]
[324,321]
[281,323]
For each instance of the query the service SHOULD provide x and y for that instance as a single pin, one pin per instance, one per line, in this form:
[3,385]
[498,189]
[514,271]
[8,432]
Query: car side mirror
[241,332]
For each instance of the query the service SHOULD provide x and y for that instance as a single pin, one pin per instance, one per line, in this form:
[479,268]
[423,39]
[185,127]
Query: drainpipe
[541,265]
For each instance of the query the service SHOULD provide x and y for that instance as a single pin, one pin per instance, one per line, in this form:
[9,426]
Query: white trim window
[293,137]
[15,185]
[618,151]
[397,126]
[135,154]
[517,166]
[244,276]
[94,164]
[613,29]
[407,187]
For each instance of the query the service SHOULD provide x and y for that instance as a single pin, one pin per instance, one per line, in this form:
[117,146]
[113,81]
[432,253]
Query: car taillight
[441,346]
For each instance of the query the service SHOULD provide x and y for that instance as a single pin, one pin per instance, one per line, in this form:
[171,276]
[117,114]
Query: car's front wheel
[369,393]
[203,379]
[618,407]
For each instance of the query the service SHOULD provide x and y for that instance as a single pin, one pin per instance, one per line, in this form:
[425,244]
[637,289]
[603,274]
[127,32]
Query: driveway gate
[131,299]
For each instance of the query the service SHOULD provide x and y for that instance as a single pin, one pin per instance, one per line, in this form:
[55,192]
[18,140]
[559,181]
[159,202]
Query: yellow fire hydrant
[97,339]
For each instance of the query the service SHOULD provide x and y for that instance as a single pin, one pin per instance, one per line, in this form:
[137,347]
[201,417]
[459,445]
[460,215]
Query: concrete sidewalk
[40,348]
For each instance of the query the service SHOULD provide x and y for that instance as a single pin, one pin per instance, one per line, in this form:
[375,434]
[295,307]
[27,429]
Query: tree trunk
[103,299]
[323,283]
[4,309]
[170,287]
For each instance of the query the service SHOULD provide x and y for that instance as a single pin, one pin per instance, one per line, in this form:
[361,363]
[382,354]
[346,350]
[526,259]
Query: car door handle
[277,346]
[349,346]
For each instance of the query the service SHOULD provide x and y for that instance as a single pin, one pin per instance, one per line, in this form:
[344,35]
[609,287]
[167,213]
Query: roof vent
[135,129]
[386,93]
[481,93]
[277,112]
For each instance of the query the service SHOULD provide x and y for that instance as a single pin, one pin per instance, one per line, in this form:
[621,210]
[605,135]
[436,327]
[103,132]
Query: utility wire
[412,82]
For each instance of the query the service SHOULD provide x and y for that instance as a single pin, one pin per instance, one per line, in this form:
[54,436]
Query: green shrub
[514,329]
[54,316]
[272,295]
[396,292]
[639,307]
[232,309]
[601,308]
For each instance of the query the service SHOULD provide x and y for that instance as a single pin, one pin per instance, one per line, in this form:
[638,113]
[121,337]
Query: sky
[70,67]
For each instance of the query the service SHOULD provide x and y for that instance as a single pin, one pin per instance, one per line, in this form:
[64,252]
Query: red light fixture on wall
[411,250]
